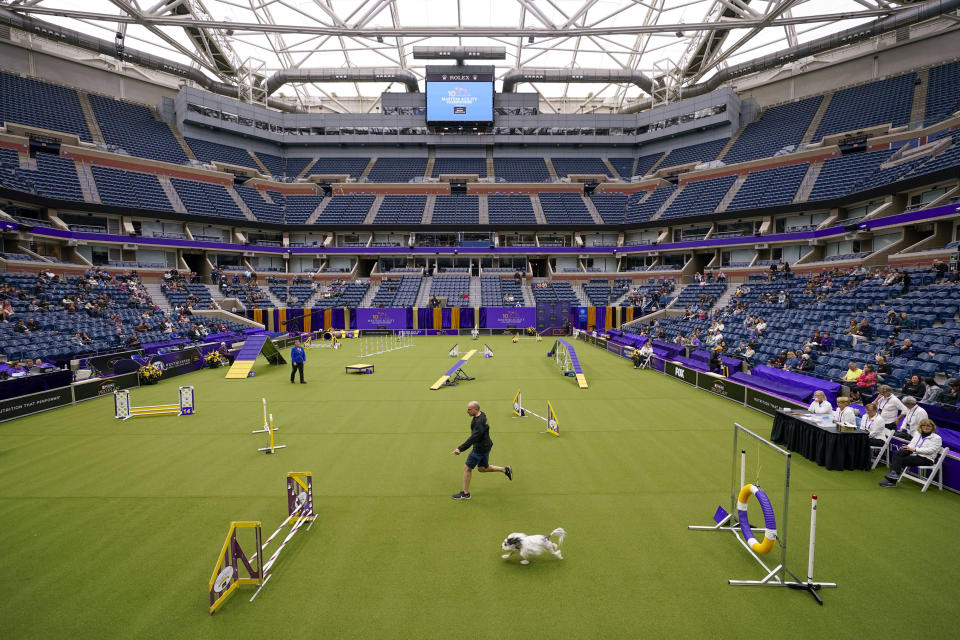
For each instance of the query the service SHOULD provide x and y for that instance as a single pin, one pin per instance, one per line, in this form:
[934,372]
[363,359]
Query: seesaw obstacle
[553,423]
[226,573]
[124,411]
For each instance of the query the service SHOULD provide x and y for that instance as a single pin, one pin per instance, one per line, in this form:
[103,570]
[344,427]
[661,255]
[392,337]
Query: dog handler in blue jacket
[297,357]
[480,456]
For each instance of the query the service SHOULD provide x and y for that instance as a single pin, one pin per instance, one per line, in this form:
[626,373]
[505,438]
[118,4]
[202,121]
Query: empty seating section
[510,209]
[204,198]
[947,159]
[778,127]
[292,167]
[521,169]
[476,166]
[398,292]
[258,205]
[840,176]
[598,292]
[133,128]
[610,206]
[500,292]
[40,104]
[943,92]
[347,209]
[881,102]
[198,295]
[130,189]
[645,163]
[336,166]
[456,209]
[703,152]
[699,198]
[624,167]
[274,164]
[641,206]
[9,158]
[298,208]
[56,177]
[401,210]
[704,296]
[397,169]
[341,295]
[19,256]
[555,292]
[566,166]
[769,187]
[454,289]
[211,151]
[565,208]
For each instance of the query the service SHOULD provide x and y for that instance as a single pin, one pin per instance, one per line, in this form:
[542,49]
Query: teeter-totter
[456,374]
[226,574]
[123,411]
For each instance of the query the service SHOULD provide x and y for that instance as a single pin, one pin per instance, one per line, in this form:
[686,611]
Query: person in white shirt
[914,415]
[889,406]
[922,450]
[873,424]
[844,413]
[820,404]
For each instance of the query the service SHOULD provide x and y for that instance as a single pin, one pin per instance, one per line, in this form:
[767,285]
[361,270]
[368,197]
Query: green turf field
[111,529]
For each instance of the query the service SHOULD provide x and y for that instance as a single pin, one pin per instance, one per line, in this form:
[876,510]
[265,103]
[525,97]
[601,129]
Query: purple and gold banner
[508,317]
[382,319]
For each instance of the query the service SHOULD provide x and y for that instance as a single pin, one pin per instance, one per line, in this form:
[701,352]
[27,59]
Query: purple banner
[509,317]
[382,318]
[176,363]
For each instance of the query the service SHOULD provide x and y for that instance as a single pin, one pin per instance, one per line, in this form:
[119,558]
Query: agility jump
[565,357]
[226,573]
[123,410]
[736,522]
[553,424]
[456,374]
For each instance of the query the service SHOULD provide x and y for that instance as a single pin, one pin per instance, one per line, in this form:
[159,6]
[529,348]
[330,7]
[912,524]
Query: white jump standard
[122,409]
[375,345]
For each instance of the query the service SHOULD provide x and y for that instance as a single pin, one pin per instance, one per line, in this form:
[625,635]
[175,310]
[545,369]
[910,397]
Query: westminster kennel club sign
[381,318]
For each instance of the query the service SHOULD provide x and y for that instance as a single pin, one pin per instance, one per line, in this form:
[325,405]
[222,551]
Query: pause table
[359,368]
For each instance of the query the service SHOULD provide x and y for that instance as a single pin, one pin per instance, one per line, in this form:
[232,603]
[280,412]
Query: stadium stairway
[171,193]
[306,170]
[528,299]
[156,294]
[374,209]
[369,167]
[88,186]
[550,169]
[423,296]
[95,133]
[244,209]
[588,203]
[475,295]
[263,167]
[312,218]
[537,209]
[428,210]
[817,117]
[918,109]
[732,193]
[369,295]
[613,170]
[483,209]
[180,141]
[666,203]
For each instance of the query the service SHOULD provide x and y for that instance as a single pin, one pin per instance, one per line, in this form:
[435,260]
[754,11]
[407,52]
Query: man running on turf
[480,456]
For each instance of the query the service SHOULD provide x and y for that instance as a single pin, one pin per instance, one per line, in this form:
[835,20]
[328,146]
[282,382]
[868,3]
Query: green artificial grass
[112,528]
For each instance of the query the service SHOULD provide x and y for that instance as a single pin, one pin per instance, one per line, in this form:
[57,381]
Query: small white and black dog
[530,546]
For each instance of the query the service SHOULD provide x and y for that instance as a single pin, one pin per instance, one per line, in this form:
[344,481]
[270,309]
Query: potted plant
[149,374]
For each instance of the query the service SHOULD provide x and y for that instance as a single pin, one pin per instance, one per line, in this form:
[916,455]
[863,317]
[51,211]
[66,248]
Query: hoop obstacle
[226,575]
[737,523]
[123,410]
[553,423]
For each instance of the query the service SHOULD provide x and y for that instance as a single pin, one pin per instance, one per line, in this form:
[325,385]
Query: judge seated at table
[922,450]
[872,422]
[820,404]
[844,413]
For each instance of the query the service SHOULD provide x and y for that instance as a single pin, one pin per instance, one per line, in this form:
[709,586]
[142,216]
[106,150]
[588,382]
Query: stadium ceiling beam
[446,31]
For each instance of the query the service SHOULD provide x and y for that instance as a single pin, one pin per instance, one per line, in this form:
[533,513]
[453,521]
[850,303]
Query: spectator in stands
[865,329]
[33,325]
[889,406]
[792,362]
[872,423]
[906,350]
[951,395]
[826,342]
[883,367]
[807,365]
[932,394]
[6,310]
[888,347]
[923,448]
[905,281]
[820,404]
[867,382]
[21,327]
[844,413]
[914,415]
[914,387]
[17,370]
[853,372]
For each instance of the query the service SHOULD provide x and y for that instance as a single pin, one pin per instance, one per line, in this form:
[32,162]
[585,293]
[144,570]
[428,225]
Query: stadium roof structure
[614,54]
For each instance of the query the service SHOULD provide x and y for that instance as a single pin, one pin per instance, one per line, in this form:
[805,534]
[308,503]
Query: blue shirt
[297,354]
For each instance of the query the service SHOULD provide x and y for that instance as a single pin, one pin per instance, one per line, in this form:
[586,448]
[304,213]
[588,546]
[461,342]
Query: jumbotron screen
[465,97]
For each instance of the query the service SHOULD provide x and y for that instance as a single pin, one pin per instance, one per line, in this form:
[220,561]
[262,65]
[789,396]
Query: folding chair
[883,451]
[928,474]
